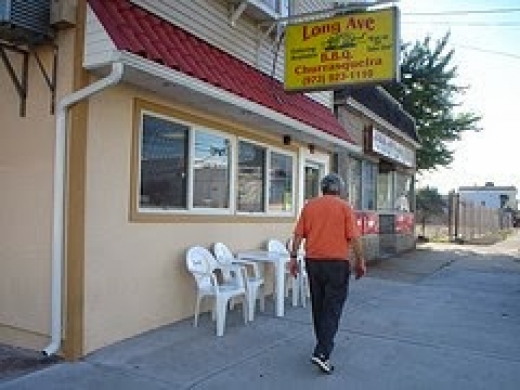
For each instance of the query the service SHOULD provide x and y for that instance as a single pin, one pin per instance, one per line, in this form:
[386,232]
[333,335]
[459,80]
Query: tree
[428,203]
[428,92]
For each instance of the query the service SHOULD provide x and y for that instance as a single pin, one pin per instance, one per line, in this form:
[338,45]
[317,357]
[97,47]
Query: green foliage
[428,92]
[428,203]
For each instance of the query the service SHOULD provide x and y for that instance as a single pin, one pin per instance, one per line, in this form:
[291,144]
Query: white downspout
[60,162]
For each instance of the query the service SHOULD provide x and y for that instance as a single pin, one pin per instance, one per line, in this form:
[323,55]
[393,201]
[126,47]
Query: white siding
[301,7]
[98,45]
[210,21]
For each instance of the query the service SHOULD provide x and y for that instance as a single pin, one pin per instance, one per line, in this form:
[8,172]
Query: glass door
[312,168]
[312,181]
[313,173]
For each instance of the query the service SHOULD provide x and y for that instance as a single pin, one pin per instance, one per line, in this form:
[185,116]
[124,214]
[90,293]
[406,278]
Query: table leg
[279,287]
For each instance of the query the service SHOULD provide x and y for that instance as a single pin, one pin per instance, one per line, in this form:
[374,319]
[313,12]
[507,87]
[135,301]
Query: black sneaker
[323,363]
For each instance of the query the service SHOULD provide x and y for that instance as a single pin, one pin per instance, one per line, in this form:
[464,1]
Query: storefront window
[186,168]
[403,190]
[164,153]
[251,177]
[281,182]
[354,183]
[385,191]
[211,171]
[312,181]
[369,185]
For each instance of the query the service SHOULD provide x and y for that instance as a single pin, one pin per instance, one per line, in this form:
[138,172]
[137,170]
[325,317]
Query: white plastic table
[279,260]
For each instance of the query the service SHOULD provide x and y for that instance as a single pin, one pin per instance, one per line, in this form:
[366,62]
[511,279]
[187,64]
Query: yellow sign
[354,48]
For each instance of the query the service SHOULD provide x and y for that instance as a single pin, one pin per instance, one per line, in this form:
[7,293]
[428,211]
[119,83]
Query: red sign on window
[368,222]
[404,223]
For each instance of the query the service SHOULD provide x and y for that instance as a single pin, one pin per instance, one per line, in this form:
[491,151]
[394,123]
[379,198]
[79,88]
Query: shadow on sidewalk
[15,362]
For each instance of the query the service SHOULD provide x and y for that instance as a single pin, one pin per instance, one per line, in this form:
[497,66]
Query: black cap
[332,184]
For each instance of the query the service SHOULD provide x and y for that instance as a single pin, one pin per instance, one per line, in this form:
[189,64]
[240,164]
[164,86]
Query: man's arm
[360,268]
[293,263]
[296,242]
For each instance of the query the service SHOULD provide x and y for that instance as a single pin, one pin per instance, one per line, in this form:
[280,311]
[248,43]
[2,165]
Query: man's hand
[360,269]
[293,266]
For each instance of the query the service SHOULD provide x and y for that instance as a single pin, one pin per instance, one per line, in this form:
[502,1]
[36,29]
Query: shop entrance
[313,172]
[312,182]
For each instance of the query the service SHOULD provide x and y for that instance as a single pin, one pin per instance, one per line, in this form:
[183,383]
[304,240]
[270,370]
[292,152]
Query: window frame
[385,191]
[264,179]
[191,160]
[267,182]
[369,172]
[155,210]
[355,182]
[293,157]
[192,129]
[194,124]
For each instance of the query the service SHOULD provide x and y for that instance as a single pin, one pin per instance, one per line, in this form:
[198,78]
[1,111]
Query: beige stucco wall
[135,276]
[26,180]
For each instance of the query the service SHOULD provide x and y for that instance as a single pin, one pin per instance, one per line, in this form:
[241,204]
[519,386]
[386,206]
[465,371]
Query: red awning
[140,32]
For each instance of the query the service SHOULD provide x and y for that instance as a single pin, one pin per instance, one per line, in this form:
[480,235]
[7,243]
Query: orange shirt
[328,224]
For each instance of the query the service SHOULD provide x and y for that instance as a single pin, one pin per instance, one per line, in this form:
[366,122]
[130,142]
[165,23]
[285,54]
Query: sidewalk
[442,317]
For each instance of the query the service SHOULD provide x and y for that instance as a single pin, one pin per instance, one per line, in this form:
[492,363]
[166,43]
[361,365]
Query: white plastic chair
[291,283]
[254,281]
[298,285]
[203,265]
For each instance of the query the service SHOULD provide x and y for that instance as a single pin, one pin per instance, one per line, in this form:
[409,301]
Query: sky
[487,56]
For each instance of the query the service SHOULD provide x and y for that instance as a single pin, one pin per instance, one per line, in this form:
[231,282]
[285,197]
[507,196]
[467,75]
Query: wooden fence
[468,220]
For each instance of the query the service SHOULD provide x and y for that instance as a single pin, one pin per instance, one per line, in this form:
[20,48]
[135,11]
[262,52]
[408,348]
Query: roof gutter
[60,162]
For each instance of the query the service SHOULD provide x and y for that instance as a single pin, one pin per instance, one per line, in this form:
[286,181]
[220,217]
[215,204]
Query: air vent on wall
[25,21]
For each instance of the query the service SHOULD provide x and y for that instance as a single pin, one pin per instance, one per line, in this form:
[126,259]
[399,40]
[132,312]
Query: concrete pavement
[442,317]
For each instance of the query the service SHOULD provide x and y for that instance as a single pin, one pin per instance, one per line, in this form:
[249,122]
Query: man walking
[328,225]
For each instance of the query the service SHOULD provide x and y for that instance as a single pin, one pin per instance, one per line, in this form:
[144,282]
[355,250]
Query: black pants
[328,281]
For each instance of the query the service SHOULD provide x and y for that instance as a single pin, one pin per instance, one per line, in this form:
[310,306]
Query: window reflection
[251,177]
[354,191]
[164,146]
[369,188]
[186,167]
[211,176]
[281,185]
[385,191]
[312,182]
[403,187]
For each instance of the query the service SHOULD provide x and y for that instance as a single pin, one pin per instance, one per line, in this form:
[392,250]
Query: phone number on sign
[338,77]
[352,75]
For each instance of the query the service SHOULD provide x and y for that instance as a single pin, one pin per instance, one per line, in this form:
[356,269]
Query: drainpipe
[60,162]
